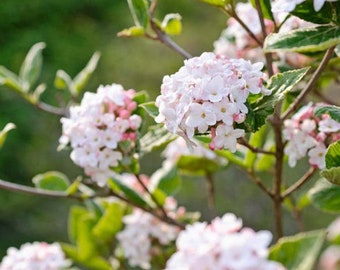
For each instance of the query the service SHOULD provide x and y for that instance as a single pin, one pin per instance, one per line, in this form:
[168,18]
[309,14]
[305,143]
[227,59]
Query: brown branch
[245,143]
[211,193]
[328,55]
[259,183]
[304,179]
[268,56]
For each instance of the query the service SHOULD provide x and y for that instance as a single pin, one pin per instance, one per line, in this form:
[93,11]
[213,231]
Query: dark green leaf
[325,196]
[332,175]
[139,12]
[265,7]
[51,180]
[31,67]
[332,111]
[156,138]
[306,12]
[150,108]
[333,155]
[298,252]
[118,186]
[167,180]
[304,40]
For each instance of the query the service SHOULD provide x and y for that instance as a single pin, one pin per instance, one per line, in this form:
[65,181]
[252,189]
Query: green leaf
[156,138]
[172,24]
[62,80]
[110,223]
[86,241]
[94,263]
[52,180]
[118,186]
[75,215]
[10,79]
[265,7]
[333,155]
[195,165]
[82,78]
[218,3]
[31,67]
[298,252]
[166,180]
[140,97]
[256,140]
[325,196]
[304,40]
[279,84]
[332,175]
[4,131]
[73,188]
[306,12]
[134,31]
[139,12]
[150,108]
[332,111]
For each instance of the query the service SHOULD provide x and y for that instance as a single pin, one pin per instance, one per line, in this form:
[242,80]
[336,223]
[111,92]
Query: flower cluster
[35,256]
[235,41]
[144,234]
[288,6]
[222,245]
[209,94]
[309,135]
[97,128]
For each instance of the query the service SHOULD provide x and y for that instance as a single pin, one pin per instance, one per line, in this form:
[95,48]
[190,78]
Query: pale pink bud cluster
[222,245]
[289,6]
[144,235]
[330,259]
[96,128]
[208,94]
[35,256]
[309,135]
[235,41]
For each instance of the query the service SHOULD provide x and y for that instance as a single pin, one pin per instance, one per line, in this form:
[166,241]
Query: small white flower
[317,156]
[329,125]
[226,137]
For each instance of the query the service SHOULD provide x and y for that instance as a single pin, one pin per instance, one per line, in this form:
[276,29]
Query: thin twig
[304,179]
[154,199]
[268,56]
[328,55]
[245,143]
[233,14]
[259,183]
[167,41]
[41,192]
[211,193]
[50,109]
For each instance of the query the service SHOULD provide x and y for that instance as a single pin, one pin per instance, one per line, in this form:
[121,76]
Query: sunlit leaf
[166,180]
[325,196]
[304,40]
[139,12]
[218,3]
[134,31]
[31,67]
[333,155]
[10,79]
[150,108]
[332,175]
[298,252]
[51,180]
[4,131]
[172,24]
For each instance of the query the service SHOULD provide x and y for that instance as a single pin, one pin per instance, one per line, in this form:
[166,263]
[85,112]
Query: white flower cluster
[142,229]
[209,94]
[235,41]
[35,256]
[96,128]
[309,135]
[222,245]
[288,6]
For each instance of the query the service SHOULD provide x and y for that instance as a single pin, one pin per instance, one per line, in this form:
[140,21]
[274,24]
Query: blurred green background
[72,31]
